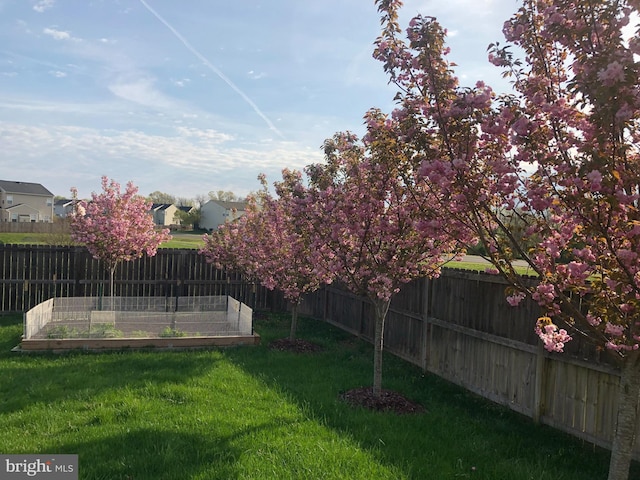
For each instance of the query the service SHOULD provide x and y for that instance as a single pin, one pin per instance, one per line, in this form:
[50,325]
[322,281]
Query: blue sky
[193,96]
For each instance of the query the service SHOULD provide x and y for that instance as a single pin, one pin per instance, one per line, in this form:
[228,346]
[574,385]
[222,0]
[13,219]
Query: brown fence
[461,328]
[458,326]
[30,274]
[32,227]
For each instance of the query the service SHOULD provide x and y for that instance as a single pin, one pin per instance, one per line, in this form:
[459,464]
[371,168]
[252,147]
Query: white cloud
[60,34]
[181,83]
[141,91]
[208,135]
[191,155]
[43,5]
[57,73]
[256,76]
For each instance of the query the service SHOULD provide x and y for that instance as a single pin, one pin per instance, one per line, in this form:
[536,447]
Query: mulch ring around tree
[388,401]
[297,346]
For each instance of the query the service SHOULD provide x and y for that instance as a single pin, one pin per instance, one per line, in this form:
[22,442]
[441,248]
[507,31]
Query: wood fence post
[426,325]
[325,303]
[538,389]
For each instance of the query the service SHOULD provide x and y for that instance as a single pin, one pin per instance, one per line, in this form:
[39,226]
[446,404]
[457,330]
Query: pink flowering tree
[558,161]
[116,226]
[368,232]
[269,245]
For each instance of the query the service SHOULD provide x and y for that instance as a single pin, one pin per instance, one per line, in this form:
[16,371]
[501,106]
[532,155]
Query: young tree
[188,217]
[561,155]
[267,244]
[115,226]
[368,233]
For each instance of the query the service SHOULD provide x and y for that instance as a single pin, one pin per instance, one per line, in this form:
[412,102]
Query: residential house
[216,212]
[164,214]
[186,208]
[25,202]
[63,207]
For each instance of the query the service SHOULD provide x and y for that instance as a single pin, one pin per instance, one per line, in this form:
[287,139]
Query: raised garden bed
[93,323]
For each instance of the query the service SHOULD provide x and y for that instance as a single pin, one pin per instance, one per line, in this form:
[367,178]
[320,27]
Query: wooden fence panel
[485,365]
[30,274]
[461,328]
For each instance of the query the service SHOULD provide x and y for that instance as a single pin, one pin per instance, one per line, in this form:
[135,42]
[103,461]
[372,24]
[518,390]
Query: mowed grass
[178,240]
[255,413]
[24,238]
[185,240]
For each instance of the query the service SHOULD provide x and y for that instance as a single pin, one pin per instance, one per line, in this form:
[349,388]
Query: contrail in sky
[213,68]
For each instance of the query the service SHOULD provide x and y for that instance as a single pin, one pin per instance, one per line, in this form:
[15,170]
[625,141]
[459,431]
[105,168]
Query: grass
[185,240]
[482,267]
[179,240]
[24,238]
[254,413]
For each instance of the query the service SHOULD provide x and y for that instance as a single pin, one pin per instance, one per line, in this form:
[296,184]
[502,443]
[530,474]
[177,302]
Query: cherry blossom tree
[116,226]
[559,158]
[268,244]
[367,231]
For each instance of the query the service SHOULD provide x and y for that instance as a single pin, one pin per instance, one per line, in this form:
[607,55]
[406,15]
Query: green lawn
[179,240]
[185,240]
[254,413]
[24,238]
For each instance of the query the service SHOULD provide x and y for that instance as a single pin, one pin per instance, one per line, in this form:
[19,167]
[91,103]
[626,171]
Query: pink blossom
[595,179]
[515,299]
[545,293]
[627,308]
[614,73]
[553,339]
[614,330]
[593,320]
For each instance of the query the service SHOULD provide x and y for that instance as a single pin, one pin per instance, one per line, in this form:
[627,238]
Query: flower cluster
[552,337]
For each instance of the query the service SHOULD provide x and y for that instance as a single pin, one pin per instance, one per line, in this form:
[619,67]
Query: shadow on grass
[11,327]
[49,379]
[149,453]
[460,436]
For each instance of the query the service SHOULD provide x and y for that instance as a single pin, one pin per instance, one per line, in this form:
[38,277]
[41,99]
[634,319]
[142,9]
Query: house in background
[25,202]
[216,212]
[164,214]
[186,208]
[63,207]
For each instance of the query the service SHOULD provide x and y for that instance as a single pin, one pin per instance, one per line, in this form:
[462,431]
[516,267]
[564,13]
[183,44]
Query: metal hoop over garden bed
[99,323]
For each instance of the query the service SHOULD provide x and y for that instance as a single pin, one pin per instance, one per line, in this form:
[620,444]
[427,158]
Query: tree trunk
[381,308]
[627,418]
[294,321]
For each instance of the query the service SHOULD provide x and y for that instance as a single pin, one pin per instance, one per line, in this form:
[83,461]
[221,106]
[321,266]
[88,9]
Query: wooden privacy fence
[30,274]
[458,326]
[461,328]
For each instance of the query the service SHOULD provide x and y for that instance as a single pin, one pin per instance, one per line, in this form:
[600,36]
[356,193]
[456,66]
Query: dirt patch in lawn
[388,401]
[297,346]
